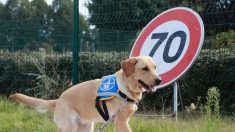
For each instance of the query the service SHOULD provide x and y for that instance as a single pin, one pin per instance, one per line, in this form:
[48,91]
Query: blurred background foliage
[33,24]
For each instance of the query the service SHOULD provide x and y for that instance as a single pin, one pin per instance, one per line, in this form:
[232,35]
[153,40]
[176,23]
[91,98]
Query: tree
[18,15]
[114,16]
[2,36]
[86,34]
[124,15]
[30,25]
[1,9]
[118,21]
[41,8]
[41,22]
[219,16]
[61,15]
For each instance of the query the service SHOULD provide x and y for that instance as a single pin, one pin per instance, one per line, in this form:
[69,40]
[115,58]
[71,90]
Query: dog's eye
[146,68]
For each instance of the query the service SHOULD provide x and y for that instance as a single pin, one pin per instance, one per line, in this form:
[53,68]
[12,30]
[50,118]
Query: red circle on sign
[196,30]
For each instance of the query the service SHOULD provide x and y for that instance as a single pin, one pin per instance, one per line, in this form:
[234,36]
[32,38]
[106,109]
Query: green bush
[211,111]
[212,68]
[46,76]
[222,39]
[97,65]
[28,73]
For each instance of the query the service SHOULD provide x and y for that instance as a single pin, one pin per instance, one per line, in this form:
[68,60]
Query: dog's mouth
[148,88]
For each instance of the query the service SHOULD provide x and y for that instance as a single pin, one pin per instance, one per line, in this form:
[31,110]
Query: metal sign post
[176,100]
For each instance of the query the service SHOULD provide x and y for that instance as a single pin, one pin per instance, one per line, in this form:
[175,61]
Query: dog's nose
[158,81]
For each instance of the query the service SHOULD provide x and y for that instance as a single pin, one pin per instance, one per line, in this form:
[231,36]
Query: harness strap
[124,96]
[104,113]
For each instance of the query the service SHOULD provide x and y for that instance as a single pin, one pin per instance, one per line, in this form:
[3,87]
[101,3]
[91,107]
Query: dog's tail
[38,104]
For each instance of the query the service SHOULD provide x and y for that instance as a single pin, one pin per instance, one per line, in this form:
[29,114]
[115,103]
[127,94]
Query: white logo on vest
[107,84]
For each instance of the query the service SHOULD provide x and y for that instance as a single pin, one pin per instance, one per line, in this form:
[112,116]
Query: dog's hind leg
[65,118]
[85,127]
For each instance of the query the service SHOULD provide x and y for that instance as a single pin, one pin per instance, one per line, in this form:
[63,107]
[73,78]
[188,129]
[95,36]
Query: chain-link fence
[36,46]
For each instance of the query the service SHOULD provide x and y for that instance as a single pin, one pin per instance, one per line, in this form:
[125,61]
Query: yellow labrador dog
[75,110]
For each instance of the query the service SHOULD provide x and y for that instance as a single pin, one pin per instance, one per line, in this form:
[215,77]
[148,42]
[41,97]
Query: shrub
[47,75]
[33,73]
[211,111]
[212,68]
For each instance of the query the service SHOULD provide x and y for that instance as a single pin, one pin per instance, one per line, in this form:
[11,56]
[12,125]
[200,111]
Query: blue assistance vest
[108,84]
[108,89]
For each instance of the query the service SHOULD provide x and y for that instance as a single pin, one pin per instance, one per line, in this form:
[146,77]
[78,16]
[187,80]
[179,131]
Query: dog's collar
[125,97]
[122,95]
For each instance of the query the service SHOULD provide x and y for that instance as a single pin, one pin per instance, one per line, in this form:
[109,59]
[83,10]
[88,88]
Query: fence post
[75,42]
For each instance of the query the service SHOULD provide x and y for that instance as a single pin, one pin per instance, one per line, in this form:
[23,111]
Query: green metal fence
[36,45]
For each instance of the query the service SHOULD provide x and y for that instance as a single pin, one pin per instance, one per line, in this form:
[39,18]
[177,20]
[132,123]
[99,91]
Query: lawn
[17,118]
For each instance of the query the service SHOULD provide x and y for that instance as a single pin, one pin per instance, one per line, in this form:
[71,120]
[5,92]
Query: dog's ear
[128,66]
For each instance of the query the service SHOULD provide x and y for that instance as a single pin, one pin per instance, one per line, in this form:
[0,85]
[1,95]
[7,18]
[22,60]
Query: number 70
[162,37]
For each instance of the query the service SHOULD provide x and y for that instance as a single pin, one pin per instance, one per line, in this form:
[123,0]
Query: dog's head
[141,74]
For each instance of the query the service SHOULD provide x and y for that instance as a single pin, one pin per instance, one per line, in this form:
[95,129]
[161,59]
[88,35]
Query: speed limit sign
[174,39]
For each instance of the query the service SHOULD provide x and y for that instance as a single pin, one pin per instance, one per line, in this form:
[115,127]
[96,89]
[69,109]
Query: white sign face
[173,39]
[168,28]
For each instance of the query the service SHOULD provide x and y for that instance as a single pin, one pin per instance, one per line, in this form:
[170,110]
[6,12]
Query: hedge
[48,75]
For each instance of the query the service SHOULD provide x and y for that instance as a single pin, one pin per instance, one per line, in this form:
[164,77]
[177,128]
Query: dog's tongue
[150,89]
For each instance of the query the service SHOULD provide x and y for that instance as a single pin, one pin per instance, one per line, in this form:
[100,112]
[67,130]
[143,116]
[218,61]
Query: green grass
[17,118]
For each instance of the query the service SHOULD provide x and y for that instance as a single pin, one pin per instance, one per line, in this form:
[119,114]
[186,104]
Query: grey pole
[176,100]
